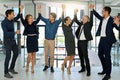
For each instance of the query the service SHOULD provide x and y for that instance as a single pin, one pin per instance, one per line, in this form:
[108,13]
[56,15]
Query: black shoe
[88,74]
[101,73]
[52,70]
[45,68]
[107,77]
[13,71]
[8,75]
[82,70]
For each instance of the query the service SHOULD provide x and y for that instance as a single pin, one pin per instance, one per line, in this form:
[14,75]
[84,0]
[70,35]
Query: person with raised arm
[30,30]
[51,28]
[107,38]
[83,34]
[69,40]
[9,42]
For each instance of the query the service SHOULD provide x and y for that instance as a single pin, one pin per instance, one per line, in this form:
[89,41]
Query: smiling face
[106,11]
[29,19]
[52,17]
[67,21]
[85,19]
[10,14]
[117,20]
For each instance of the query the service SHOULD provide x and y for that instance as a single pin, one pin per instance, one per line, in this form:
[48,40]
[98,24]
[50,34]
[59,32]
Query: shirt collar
[107,18]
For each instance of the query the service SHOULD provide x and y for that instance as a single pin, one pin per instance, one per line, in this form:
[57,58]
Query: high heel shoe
[32,70]
[68,70]
[62,67]
[27,68]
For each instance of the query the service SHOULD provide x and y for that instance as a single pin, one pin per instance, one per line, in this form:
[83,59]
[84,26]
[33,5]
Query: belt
[31,34]
[50,39]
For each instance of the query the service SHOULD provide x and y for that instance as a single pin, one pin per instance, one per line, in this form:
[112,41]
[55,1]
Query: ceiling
[110,2]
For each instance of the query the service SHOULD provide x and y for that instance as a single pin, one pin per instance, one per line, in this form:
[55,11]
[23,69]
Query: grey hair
[87,17]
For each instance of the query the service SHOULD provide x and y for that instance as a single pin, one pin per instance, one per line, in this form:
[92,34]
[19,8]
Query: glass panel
[41,36]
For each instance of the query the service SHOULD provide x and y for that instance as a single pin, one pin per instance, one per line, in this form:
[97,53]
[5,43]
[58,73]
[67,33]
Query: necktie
[80,32]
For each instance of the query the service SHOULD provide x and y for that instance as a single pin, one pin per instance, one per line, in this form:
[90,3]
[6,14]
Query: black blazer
[86,27]
[109,28]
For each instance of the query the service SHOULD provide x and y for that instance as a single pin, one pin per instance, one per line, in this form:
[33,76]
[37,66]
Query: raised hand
[91,6]
[21,8]
[63,7]
[117,20]
[38,8]
[76,11]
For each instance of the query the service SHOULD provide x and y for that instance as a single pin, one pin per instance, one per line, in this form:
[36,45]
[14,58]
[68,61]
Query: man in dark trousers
[9,42]
[105,31]
[84,35]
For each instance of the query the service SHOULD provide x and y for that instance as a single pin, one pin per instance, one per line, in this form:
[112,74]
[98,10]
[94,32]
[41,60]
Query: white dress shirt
[103,27]
[82,35]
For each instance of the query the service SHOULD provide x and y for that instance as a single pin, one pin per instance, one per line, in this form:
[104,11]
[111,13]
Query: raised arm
[62,16]
[18,15]
[21,16]
[75,17]
[91,18]
[39,14]
[45,20]
[63,9]
[95,13]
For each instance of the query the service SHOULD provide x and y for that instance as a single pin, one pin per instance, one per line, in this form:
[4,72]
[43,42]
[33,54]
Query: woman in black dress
[69,41]
[32,37]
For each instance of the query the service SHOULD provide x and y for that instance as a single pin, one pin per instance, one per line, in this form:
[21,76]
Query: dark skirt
[70,47]
[32,44]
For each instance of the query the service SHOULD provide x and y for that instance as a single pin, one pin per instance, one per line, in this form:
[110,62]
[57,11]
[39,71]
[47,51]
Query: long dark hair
[66,18]
[27,17]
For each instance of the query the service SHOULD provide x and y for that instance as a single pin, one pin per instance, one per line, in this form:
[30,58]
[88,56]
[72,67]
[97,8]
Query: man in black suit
[83,35]
[105,31]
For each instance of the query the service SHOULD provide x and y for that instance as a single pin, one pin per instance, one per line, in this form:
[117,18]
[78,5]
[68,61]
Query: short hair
[53,14]
[87,17]
[108,9]
[9,11]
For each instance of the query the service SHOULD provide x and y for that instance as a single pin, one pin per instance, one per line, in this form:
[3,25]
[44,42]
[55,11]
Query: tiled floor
[57,75]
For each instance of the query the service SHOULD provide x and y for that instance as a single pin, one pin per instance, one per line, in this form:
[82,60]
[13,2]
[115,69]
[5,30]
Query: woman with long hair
[69,41]
[32,37]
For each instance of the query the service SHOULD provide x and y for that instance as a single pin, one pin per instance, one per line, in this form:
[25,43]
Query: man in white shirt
[83,34]
[105,31]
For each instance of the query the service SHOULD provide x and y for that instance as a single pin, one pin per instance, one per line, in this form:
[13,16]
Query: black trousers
[83,54]
[104,50]
[10,45]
